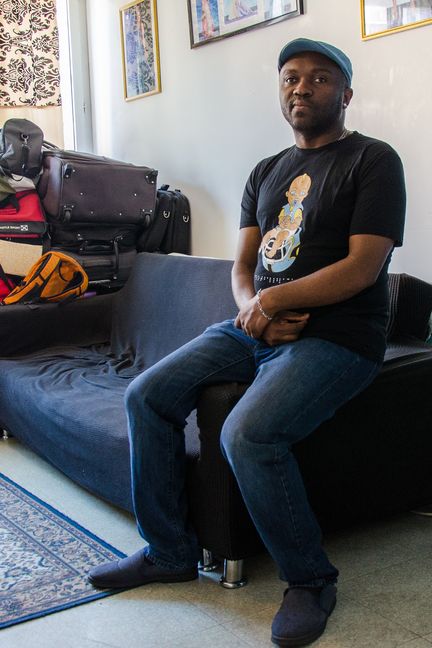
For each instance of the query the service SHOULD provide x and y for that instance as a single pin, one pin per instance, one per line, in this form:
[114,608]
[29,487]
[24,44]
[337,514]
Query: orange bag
[55,277]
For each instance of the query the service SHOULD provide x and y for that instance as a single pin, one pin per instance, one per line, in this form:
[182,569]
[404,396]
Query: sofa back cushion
[410,307]
[167,301]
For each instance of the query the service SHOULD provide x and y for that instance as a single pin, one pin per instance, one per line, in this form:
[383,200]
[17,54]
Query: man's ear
[347,96]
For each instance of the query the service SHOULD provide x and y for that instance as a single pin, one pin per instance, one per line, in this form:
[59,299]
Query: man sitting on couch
[318,224]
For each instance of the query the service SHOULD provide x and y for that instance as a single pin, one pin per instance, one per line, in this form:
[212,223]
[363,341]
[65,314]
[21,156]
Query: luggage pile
[99,211]
[96,209]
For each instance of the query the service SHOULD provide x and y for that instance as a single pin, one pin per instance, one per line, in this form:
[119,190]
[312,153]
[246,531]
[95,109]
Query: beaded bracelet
[260,308]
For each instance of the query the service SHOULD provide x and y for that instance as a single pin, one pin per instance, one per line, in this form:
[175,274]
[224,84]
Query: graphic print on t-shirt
[280,246]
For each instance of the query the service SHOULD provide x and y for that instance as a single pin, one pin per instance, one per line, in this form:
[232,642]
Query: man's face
[312,93]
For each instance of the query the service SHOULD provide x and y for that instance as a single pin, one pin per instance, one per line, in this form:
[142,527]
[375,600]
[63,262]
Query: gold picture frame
[140,49]
[383,17]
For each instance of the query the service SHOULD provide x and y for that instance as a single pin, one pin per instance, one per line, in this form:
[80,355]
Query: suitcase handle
[67,171]
[95,248]
[112,247]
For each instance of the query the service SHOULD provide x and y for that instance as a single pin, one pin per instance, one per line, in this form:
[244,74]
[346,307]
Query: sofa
[64,369]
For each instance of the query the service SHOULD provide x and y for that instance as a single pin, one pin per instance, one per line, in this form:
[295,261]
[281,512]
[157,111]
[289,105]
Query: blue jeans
[294,387]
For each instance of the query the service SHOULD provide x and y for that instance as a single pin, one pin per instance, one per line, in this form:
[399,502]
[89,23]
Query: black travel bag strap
[151,239]
[6,279]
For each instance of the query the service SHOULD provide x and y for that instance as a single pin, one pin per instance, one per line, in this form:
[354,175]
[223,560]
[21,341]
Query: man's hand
[286,326]
[251,320]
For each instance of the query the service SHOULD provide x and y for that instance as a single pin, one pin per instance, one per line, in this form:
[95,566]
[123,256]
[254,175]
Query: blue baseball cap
[306,45]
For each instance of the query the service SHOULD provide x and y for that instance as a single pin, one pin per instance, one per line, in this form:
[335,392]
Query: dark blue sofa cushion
[66,402]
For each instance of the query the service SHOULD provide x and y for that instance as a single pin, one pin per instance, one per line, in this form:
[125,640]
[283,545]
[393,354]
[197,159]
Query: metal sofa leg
[207,562]
[5,435]
[233,574]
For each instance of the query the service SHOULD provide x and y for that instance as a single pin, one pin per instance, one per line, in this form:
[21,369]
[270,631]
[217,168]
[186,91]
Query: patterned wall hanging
[29,49]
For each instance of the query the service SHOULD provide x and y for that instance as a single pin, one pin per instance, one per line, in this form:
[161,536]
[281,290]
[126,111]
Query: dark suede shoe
[136,570]
[303,615]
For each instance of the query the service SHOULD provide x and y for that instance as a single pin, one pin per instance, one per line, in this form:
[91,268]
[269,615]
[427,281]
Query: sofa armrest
[410,307]
[25,328]
[218,512]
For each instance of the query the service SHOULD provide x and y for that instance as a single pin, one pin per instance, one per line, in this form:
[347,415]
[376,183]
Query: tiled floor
[385,589]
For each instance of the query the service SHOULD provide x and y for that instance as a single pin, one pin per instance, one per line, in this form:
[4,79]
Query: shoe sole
[290,642]
[181,578]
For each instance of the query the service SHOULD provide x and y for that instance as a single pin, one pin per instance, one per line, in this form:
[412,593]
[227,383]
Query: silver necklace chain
[345,133]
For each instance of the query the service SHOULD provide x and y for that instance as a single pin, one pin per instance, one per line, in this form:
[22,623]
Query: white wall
[218,112]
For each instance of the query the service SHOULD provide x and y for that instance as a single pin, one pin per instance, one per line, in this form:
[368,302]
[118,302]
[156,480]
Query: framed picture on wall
[140,49]
[211,20]
[382,17]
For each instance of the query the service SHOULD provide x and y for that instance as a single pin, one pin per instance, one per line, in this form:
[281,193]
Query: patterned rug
[44,558]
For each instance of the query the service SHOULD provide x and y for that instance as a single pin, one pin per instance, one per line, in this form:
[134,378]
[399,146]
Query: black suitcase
[170,230]
[105,252]
[105,271]
[84,237]
[85,188]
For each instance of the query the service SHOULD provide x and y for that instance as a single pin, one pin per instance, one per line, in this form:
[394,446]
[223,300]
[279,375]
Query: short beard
[317,124]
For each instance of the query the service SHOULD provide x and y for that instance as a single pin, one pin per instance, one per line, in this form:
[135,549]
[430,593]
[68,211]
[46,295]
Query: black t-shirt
[307,203]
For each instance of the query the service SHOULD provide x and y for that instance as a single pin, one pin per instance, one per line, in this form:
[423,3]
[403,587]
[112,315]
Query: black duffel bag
[21,148]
